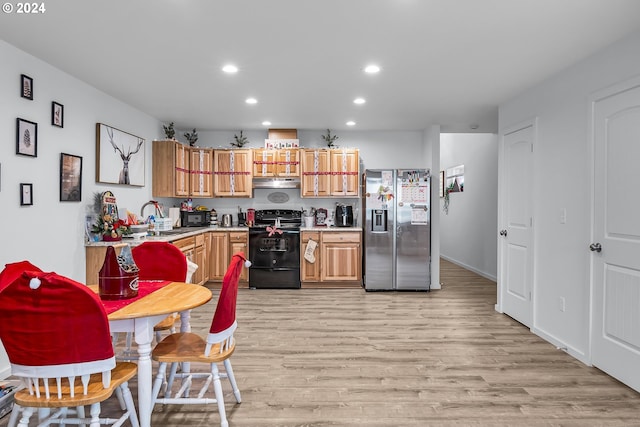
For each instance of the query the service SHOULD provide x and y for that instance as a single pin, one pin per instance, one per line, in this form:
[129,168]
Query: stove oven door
[275,259]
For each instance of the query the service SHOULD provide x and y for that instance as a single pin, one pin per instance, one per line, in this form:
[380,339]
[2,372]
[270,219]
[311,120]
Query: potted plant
[169,131]
[192,137]
[329,139]
[240,140]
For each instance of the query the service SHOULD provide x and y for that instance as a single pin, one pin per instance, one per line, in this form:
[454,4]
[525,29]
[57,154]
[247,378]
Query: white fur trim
[247,263]
[67,370]
[34,283]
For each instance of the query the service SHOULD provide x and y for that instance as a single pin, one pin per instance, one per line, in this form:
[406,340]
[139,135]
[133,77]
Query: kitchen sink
[181,231]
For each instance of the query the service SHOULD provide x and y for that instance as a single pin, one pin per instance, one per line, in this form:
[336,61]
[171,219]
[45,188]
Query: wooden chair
[159,261]
[58,333]
[187,347]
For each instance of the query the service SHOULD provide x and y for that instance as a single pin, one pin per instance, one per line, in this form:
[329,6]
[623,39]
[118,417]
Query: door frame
[533,123]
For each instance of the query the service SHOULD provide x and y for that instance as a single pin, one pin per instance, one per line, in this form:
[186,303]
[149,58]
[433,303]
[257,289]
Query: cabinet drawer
[185,244]
[237,236]
[314,235]
[350,237]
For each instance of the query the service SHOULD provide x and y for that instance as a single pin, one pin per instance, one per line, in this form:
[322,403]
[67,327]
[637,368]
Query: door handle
[503,233]
[595,247]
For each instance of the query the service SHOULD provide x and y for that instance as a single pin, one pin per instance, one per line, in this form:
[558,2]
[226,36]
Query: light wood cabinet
[94,259]
[238,242]
[223,245]
[232,173]
[194,249]
[181,171]
[276,163]
[315,169]
[330,172]
[201,172]
[340,256]
[310,272]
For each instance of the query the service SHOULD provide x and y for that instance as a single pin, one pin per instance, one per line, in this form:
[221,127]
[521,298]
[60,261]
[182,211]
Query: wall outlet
[561,304]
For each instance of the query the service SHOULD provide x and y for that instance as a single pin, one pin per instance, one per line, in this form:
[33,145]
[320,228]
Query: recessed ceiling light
[266,123]
[351,123]
[372,69]
[229,68]
[359,101]
[251,101]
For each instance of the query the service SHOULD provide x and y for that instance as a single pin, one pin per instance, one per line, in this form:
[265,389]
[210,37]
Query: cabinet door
[344,172]
[201,181]
[238,243]
[288,162]
[181,184]
[341,256]
[232,173]
[315,173]
[218,255]
[264,163]
[199,258]
[310,272]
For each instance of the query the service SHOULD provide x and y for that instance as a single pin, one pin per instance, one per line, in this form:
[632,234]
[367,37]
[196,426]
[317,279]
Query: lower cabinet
[338,258]
[223,245]
[194,249]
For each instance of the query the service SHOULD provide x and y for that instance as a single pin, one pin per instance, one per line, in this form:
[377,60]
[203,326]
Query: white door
[615,245]
[515,240]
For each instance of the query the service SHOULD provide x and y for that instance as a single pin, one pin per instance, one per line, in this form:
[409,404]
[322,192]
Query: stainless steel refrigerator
[397,229]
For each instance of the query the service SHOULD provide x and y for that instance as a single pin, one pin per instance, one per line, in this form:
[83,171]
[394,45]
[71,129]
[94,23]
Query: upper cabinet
[232,173]
[181,171]
[276,162]
[329,172]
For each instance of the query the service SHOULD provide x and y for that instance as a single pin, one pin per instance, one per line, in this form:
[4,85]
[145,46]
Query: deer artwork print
[124,173]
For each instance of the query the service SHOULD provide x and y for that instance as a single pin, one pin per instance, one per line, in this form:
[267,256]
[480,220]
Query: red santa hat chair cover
[13,270]
[190,347]
[59,329]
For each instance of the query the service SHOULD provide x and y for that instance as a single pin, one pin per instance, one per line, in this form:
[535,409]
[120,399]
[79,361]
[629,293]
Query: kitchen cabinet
[194,249]
[341,256]
[94,259]
[310,272]
[276,163]
[338,258]
[181,171]
[330,172]
[232,173]
[223,245]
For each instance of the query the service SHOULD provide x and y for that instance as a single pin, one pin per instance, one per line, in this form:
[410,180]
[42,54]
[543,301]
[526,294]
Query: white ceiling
[447,62]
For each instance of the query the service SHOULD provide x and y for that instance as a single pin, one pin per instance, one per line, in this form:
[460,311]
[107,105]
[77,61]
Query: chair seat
[96,392]
[166,324]
[188,347]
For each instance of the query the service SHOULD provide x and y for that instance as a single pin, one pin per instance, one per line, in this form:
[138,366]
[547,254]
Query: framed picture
[442,184]
[120,156]
[26,138]
[70,178]
[26,87]
[57,114]
[26,194]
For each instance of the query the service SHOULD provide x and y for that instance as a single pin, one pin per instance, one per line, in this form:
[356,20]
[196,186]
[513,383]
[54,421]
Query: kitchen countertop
[198,230]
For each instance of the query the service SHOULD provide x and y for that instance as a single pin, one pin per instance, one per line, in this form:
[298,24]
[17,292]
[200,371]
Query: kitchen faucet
[154,203]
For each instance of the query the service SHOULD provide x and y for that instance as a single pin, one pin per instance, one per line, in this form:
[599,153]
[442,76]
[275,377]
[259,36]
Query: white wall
[562,168]
[50,233]
[468,232]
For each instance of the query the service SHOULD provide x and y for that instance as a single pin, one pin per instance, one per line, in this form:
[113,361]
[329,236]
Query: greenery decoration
[329,139]
[240,141]
[169,131]
[192,137]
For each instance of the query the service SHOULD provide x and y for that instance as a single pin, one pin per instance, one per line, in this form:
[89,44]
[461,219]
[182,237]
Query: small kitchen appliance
[343,215]
[226,220]
[195,218]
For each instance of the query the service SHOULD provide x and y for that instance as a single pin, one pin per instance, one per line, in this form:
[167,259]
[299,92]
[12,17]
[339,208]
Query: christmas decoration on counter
[192,137]
[169,131]
[240,141]
[108,224]
[330,139]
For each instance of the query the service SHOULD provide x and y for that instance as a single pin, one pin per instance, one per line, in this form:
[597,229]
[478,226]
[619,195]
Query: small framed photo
[70,178]
[26,138]
[26,87]
[26,194]
[57,114]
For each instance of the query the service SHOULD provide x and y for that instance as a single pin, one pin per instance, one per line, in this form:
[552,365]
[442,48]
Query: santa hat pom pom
[247,263]
[34,283]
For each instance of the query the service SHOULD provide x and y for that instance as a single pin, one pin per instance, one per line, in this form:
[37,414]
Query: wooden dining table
[141,315]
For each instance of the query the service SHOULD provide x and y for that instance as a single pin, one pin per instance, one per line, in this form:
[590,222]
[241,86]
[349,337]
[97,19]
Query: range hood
[276,183]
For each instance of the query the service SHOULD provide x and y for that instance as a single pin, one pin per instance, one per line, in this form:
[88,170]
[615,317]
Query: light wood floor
[345,357]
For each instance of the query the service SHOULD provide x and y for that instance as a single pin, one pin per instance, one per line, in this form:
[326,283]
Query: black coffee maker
[344,215]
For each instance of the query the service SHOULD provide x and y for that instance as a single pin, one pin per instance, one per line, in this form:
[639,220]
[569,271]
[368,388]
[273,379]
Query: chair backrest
[224,319]
[13,270]
[160,261]
[57,328]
